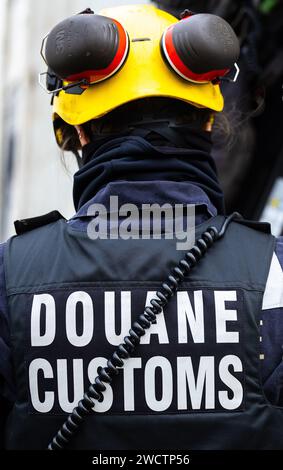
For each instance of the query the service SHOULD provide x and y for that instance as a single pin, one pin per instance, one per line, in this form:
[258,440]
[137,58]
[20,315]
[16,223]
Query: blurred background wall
[33,179]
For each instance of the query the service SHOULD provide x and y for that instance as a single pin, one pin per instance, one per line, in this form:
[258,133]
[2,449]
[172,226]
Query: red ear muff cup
[91,47]
[200,48]
[171,56]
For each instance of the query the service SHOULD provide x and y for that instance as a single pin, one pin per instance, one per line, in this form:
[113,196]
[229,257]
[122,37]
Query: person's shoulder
[2,281]
[27,225]
[273,295]
[2,249]
[279,250]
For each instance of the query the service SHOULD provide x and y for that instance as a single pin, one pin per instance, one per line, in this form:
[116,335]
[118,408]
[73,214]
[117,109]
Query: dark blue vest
[194,382]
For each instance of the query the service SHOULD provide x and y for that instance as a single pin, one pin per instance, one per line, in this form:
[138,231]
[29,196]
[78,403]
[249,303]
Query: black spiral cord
[138,329]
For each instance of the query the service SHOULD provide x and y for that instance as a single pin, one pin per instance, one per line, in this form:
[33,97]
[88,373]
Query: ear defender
[86,47]
[200,48]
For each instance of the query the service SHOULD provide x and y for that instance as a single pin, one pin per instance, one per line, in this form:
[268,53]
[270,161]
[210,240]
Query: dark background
[251,160]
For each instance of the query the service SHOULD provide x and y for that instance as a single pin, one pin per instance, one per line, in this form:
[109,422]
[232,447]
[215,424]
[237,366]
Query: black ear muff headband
[86,49]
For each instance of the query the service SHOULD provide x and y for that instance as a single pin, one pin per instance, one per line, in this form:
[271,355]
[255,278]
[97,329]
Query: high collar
[133,159]
[144,192]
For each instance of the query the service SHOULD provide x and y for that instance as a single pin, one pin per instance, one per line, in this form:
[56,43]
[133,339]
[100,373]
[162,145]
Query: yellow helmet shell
[145,73]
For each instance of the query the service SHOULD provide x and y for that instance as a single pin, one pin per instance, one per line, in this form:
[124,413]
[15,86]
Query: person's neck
[134,158]
[156,134]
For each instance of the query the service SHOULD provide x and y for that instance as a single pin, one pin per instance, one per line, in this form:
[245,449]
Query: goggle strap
[83,82]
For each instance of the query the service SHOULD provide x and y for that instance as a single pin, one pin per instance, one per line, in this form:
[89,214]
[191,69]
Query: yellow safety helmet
[148,50]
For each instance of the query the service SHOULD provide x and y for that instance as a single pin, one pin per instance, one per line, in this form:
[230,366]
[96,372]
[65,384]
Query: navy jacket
[173,192]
